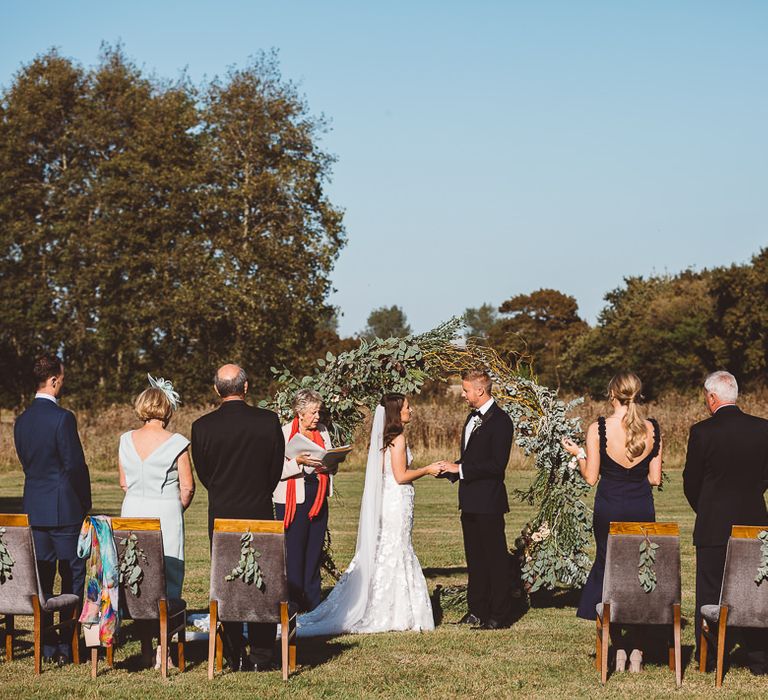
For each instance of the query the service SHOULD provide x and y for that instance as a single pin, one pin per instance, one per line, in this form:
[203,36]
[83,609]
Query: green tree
[479,321]
[387,322]
[541,326]
[657,327]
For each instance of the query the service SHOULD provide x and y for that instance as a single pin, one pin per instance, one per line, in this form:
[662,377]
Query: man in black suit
[57,490]
[238,455]
[485,444]
[725,477]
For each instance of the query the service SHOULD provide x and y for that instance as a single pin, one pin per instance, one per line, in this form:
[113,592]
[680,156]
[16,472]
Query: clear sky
[488,148]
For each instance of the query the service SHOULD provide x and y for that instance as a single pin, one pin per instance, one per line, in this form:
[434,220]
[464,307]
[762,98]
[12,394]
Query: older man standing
[725,477]
[57,490]
[238,452]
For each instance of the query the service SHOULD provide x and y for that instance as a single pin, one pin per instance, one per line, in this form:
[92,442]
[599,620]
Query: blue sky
[488,148]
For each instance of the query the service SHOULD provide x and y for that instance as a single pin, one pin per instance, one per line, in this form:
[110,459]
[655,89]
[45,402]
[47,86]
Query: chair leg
[76,636]
[703,644]
[213,626]
[9,637]
[94,661]
[163,638]
[111,656]
[606,637]
[180,648]
[284,633]
[721,645]
[292,636]
[678,648]
[38,632]
[598,644]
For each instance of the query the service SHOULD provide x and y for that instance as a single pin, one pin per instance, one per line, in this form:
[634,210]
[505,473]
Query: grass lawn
[548,653]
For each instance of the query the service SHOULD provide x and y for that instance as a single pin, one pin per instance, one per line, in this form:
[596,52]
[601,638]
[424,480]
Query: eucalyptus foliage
[131,573]
[553,545]
[762,571]
[646,573]
[6,560]
[247,569]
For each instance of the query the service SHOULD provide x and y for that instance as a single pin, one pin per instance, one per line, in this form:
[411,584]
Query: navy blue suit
[57,495]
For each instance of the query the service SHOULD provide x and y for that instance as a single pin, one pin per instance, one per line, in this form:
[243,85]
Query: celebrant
[301,499]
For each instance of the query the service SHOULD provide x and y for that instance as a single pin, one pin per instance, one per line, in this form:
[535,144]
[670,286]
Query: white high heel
[636,661]
[621,660]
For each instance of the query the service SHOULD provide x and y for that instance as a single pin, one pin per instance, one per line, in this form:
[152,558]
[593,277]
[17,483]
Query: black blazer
[57,485]
[238,453]
[483,463]
[726,474]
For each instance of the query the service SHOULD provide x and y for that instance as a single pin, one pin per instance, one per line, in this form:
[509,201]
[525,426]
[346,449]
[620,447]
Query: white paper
[299,444]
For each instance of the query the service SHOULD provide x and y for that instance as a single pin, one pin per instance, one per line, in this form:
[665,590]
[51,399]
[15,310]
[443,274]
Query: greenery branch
[6,560]
[247,569]
[131,573]
[762,571]
[646,573]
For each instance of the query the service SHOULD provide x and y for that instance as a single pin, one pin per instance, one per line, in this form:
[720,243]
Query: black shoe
[58,659]
[491,624]
[233,662]
[257,666]
[470,619]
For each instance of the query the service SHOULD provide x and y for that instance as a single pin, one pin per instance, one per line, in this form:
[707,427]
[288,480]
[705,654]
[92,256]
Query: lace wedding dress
[383,589]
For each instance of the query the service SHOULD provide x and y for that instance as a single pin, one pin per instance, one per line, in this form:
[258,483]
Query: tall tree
[541,325]
[387,322]
[479,321]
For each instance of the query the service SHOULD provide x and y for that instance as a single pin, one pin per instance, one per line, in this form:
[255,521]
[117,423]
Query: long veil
[346,604]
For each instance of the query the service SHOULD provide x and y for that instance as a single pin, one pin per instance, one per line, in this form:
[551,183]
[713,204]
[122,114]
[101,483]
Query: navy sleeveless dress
[623,495]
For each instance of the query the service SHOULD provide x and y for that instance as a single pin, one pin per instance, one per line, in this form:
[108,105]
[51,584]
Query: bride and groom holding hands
[383,588]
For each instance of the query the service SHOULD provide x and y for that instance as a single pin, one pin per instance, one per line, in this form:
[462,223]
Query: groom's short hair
[45,367]
[478,375]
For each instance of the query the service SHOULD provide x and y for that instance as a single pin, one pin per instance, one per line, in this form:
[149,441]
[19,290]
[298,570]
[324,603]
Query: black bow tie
[475,414]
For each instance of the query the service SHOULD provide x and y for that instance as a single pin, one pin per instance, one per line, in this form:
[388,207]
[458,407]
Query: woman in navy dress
[624,452]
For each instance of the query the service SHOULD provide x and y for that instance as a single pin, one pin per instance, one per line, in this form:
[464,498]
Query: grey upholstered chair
[624,599]
[237,601]
[21,594]
[150,603]
[743,603]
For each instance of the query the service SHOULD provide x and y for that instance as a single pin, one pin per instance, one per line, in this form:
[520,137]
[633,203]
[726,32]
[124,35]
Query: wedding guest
[156,475]
[301,502]
[238,451]
[57,491]
[724,480]
[624,451]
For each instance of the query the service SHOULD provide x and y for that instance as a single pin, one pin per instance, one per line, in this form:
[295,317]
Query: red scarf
[290,494]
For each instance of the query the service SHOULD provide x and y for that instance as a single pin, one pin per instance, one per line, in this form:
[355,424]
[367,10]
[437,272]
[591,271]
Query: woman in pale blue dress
[156,475]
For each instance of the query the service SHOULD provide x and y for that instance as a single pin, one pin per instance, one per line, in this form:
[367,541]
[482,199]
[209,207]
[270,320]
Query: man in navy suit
[57,489]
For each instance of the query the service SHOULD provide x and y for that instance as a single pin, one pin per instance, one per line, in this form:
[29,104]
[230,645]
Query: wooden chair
[236,601]
[625,601]
[150,603]
[743,603]
[22,594]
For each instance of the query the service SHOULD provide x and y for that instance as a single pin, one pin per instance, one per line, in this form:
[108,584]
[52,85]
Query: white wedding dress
[383,589]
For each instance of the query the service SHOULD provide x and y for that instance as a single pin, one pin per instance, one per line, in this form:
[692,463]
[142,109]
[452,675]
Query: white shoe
[621,660]
[158,660]
[636,661]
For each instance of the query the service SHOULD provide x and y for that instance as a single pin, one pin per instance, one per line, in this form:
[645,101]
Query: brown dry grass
[433,433]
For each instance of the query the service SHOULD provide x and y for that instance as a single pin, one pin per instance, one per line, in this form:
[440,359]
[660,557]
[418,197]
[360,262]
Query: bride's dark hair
[393,426]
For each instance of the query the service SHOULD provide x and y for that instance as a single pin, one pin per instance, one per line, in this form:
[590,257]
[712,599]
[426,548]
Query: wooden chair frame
[603,622]
[747,532]
[22,520]
[287,621]
[145,525]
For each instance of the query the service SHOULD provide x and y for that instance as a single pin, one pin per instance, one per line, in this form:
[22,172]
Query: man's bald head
[231,381]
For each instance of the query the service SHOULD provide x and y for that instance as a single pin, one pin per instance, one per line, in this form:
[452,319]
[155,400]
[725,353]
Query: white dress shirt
[43,395]
[472,426]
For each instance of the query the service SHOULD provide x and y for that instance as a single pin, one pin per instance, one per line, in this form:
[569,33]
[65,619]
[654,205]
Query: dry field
[433,433]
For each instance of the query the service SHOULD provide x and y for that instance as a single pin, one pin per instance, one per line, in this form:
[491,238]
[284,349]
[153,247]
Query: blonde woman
[156,475]
[624,453]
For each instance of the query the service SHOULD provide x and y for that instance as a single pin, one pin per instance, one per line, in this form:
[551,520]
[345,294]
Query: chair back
[747,601]
[144,604]
[17,591]
[238,601]
[630,604]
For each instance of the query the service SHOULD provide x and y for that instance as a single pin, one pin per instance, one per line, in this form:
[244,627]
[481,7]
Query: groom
[485,444]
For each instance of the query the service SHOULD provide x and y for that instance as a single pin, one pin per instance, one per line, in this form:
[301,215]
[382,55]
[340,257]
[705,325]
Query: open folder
[299,444]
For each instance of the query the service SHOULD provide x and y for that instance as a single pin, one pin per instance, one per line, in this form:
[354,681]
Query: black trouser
[58,545]
[261,637]
[485,547]
[304,541]
[710,564]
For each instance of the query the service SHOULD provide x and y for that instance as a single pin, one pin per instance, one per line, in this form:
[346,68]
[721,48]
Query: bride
[383,588]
